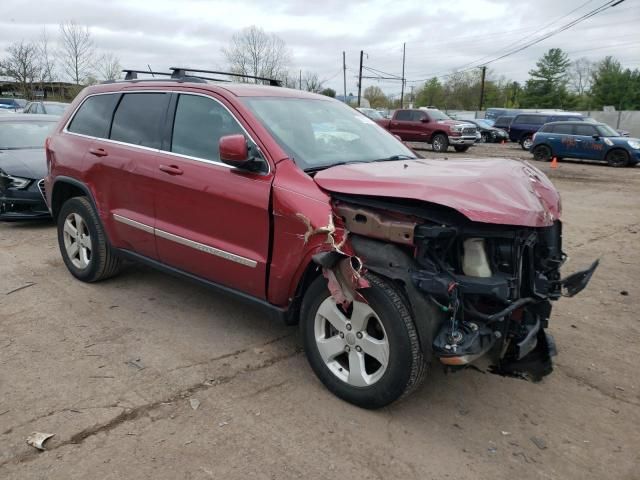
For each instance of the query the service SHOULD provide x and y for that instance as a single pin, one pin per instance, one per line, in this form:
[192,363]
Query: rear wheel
[618,158]
[83,243]
[542,153]
[526,141]
[461,148]
[369,355]
[440,143]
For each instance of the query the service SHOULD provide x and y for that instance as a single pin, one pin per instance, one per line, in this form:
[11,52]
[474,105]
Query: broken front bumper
[462,140]
[18,205]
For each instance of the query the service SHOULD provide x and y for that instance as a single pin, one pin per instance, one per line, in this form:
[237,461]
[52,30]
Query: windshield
[484,123]
[55,109]
[607,131]
[18,135]
[438,115]
[319,133]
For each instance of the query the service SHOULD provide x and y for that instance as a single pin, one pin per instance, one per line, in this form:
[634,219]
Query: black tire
[618,158]
[461,148]
[525,141]
[103,261]
[406,365]
[542,153]
[440,143]
[484,137]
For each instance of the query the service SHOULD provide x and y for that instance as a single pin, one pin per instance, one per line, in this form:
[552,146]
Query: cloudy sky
[440,35]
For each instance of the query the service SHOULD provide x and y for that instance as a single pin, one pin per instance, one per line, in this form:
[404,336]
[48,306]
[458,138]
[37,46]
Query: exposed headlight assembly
[634,144]
[15,182]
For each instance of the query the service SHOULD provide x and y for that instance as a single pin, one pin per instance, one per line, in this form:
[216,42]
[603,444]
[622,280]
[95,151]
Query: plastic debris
[194,402]
[37,439]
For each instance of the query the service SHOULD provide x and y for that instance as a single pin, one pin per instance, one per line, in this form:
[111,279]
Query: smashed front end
[478,290]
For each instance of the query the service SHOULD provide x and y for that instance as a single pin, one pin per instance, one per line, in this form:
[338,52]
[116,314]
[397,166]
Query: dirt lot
[115,371]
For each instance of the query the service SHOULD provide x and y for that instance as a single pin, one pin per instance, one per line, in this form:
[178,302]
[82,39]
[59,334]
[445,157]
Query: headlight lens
[634,144]
[16,182]
[456,128]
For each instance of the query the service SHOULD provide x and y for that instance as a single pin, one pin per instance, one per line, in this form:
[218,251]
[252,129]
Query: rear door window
[563,129]
[199,124]
[139,119]
[94,116]
[403,115]
[530,119]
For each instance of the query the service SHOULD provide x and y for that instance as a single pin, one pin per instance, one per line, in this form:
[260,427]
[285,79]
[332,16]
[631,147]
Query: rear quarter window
[94,116]
[139,118]
[530,119]
[563,129]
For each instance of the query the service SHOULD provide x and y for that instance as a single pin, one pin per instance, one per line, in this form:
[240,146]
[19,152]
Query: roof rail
[132,76]
[181,72]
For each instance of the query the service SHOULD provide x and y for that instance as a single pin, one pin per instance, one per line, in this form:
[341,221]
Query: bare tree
[108,67]
[581,75]
[76,50]
[312,83]
[254,52]
[45,58]
[22,65]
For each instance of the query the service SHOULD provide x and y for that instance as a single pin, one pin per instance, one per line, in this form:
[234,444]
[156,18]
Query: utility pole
[300,81]
[404,45]
[484,72]
[412,98]
[360,77]
[344,74]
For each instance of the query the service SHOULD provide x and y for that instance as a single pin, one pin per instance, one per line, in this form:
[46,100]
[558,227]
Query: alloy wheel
[77,241]
[353,345]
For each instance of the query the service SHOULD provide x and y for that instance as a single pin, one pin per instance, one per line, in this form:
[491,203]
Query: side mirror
[596,137]
[234,150]
[424,120]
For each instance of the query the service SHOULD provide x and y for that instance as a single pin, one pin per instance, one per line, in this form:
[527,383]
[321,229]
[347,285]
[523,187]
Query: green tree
[547,85]
[431,93]
[613,85]
[329,92]
[376,97]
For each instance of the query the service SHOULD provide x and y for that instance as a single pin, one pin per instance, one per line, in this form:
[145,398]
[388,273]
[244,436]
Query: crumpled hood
[27,163]
[498,191]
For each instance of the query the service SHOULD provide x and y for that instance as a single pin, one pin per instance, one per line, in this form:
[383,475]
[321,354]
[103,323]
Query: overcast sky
[441,35]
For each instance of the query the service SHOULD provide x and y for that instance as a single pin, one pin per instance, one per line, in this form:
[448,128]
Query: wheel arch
[65,188]
[438,132]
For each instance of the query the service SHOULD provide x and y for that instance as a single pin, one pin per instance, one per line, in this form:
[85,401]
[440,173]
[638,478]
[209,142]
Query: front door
[212,220]
[590,146]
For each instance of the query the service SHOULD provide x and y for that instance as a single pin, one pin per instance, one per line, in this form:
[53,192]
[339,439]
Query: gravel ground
[146,376]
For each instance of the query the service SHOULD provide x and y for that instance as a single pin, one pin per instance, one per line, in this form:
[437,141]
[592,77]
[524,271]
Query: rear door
[125,172]
[212,220]
[401,124]
[560,138]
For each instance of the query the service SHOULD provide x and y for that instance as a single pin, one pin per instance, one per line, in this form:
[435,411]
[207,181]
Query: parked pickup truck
[432,126]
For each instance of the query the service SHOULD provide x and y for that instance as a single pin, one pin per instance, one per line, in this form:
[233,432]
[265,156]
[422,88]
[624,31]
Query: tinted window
[138,119]
[403,115]
[586,130]
[94,116]
[530,119]
[563,129]
[199,124]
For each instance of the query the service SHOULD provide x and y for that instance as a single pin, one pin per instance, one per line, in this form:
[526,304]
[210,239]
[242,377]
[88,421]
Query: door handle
[98,152]
[171,169]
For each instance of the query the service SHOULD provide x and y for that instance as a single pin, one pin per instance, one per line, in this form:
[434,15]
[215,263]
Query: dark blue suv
[525,125]
[592,141]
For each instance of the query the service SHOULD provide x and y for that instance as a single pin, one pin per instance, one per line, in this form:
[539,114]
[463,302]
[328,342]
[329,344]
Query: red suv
[298,203]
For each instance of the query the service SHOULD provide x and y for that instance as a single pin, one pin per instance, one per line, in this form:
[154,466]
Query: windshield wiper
[395,157]
[329,165]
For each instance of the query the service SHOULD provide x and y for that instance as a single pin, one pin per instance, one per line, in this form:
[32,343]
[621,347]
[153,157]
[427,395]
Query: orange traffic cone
[554,162]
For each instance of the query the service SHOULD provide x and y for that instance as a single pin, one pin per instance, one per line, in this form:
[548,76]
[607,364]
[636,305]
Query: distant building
[40,91]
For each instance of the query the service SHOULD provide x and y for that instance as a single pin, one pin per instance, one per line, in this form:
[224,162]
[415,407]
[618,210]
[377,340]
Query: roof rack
[181,72]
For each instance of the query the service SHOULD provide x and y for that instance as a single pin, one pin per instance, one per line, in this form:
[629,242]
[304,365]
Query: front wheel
[369,355]
[440,143]
[461,148]
[83,243]
[618,158]
[484,137]
[526,141]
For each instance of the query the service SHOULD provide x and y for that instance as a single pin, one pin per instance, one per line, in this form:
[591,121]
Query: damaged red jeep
[302,205]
